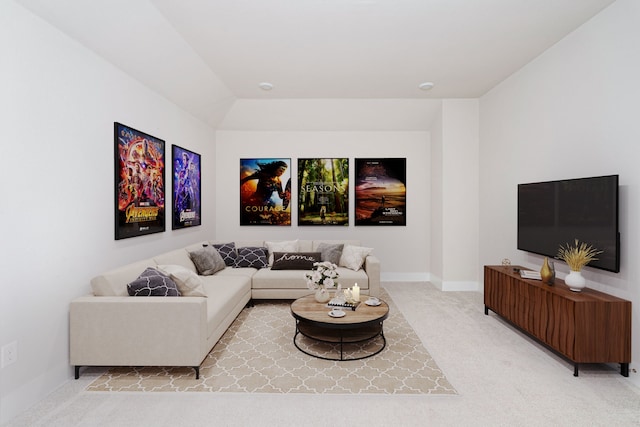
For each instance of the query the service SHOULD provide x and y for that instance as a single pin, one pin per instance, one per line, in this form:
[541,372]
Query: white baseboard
[445,286]
[405,277]
[30,393]
[451,286]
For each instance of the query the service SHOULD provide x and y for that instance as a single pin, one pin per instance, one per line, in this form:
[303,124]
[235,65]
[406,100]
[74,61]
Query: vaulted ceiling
[205,54]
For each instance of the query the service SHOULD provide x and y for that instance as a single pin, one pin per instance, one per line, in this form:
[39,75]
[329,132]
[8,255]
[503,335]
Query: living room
[568,113]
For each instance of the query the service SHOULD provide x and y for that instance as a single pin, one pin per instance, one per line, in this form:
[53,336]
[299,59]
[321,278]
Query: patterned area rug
[257,355]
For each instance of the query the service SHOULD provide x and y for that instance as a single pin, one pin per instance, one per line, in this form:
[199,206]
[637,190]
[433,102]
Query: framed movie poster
[324,191]
[265,191]
[381,191]
[185,188]
[139,183]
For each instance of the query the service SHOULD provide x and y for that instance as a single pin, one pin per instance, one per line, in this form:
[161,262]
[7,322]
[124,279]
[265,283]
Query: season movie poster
[139,181]
[186,188]
[381,192]
[265,191]
[324,191]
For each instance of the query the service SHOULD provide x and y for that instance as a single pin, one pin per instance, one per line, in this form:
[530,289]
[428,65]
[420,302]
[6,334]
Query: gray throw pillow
[207,261]
[153,283]
[294,260]
[330,252]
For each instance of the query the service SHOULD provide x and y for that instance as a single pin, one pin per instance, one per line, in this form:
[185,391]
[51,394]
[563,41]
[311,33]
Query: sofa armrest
[372,267]
[138,331]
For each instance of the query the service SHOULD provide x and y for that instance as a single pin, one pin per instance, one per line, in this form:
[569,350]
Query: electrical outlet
[9,353]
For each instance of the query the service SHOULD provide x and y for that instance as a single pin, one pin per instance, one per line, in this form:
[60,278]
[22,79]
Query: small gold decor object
[546,274]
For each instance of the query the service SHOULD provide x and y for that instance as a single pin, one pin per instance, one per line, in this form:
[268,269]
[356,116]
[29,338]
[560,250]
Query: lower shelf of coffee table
[339,335]
[340,344]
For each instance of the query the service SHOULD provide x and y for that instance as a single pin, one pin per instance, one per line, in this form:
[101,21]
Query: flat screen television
[555,213]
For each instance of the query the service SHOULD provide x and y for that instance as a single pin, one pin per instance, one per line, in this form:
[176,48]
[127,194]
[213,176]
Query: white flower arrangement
[324,274]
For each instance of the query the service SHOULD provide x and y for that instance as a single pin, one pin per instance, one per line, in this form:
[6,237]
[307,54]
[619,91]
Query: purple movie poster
[186,188]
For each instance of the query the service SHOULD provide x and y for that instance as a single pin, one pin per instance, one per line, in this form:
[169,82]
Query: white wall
[572,112]
[460,134]
[58,105]
[404,250]
[454,196]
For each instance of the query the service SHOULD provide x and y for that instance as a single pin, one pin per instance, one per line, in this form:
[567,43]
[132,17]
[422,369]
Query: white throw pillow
[283,246]
[189,283]
[353,256]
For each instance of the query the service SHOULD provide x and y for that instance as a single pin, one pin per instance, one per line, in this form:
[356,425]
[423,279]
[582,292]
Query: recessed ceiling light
[265,86]
[426,86]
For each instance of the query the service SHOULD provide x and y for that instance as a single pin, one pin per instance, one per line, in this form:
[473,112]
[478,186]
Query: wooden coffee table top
[308,309]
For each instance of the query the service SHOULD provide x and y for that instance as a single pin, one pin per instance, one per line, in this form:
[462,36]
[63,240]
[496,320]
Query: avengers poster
[139,182]
[324,191]
[265,191]
[381,192]
[185,188]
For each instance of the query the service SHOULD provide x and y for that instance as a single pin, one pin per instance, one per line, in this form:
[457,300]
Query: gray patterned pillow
[152,283]
[207,261]
[252,256]
[330,252]
[228,253]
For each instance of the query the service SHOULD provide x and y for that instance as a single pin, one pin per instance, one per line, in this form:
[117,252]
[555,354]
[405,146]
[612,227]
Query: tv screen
[555,213]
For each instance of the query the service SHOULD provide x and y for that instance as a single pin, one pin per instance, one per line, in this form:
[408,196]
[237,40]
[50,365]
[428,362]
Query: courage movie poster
[381,192]
[265,191]
[324,191]
[139,181]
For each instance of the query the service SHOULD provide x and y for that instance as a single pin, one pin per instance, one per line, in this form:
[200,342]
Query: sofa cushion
[223,293]
[283,246]
[153,283]
[189,283]
[353,256]
[176,257]
[252,256]
[330,252]
[207,260]
[242,272]
[114,282]
[295,260]
[228,253]
[268,278]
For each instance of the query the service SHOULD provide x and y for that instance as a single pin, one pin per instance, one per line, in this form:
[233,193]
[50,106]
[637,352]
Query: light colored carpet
[257,355]
[502,378]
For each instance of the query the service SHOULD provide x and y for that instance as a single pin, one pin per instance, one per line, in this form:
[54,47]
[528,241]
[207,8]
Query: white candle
[356,292]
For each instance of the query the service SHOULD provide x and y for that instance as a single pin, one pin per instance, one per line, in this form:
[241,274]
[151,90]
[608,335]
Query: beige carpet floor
[257,355]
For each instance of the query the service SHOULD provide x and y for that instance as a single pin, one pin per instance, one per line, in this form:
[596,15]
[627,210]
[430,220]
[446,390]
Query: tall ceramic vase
[575,281]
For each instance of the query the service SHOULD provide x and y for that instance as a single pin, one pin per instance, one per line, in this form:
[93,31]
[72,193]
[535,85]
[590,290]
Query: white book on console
[530,274]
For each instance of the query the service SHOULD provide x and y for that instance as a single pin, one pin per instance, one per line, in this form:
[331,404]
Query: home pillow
[207,260]
[284,246]
[228,253]
[252,256]
[189,283]
[330,252]
[295,260]
[353,256]
[153,283]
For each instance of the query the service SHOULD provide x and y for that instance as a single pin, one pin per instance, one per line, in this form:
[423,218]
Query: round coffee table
[357,326]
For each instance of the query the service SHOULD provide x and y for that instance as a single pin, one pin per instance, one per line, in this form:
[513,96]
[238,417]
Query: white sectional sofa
[111,328]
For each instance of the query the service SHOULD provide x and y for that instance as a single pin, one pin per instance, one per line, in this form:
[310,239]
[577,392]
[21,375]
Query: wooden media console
[584,327]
